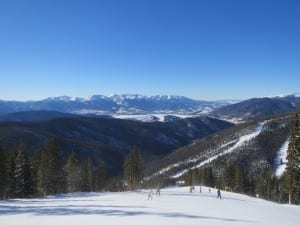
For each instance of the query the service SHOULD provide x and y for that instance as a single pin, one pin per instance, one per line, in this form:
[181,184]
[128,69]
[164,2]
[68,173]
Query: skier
[219,194]
[209,190]
[192,188]
[150,195]
[200,189]
[158,190]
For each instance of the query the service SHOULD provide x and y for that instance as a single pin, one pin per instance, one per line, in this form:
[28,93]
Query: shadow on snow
[111,210]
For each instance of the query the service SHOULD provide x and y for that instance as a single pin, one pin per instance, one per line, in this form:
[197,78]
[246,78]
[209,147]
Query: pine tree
[228,177]
[73,174]
[100,178]
[50,174]
[11,165]
[188,177]
[42,171]
[206,176]
[3,172]
[87,176]
[293,164]
[133,169]
[22,174]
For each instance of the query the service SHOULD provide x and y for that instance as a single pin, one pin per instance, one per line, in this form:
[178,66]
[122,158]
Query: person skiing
[150,195]
[200,189]
[219,194]
[192,188]
[158,190]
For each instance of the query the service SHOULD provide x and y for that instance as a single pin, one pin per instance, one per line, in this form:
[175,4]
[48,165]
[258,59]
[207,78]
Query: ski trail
[242,140]
[281,159]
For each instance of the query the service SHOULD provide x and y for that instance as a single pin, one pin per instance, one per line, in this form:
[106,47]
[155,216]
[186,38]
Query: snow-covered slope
[241,141]
[281,159]
[175,206]
[212,154]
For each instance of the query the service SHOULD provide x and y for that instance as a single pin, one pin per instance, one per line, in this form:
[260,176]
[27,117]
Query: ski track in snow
[281,155]
[242,140]
[175,206]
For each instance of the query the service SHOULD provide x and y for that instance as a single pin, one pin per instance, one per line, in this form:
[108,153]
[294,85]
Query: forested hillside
[239,159]
[68,154]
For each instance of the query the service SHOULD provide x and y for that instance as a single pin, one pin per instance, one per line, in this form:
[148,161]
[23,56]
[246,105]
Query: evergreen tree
[100,178]
[3,172]
[228,177]
[11,165]
[42,171]
[50,174]
[73,174]
[188,178]
[87,176]
[22,174]
[133,169]
[208,177]
[293,164]
[264,184]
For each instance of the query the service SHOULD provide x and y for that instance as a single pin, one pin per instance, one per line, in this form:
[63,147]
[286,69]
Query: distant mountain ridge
[256,108]
[149,108]
[116,104]
[31,116]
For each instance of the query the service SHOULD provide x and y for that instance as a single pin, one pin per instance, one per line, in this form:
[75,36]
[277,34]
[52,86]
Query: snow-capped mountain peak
[60,98]
[126,104]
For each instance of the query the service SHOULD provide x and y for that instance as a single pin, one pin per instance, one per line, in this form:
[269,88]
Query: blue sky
[203,49]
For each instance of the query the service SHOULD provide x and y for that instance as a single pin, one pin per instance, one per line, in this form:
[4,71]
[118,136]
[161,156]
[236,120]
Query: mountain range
[115,104]
[147,108]
[87,126]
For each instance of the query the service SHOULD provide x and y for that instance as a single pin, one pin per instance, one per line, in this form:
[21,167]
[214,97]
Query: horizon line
[88,97]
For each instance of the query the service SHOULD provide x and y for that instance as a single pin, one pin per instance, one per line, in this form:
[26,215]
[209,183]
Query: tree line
[45,173]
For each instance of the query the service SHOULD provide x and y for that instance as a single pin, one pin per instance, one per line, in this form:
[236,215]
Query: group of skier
[192,189]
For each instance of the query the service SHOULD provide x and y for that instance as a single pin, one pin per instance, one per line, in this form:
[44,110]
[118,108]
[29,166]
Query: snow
[296,95]
[150,117]
[134,114]
[142,118]
[206,110]
[235,120]
[91,111]
[281,155]
[242,140]
[175,206]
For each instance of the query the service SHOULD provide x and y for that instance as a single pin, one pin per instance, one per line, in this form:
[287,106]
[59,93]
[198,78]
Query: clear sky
[203,49]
